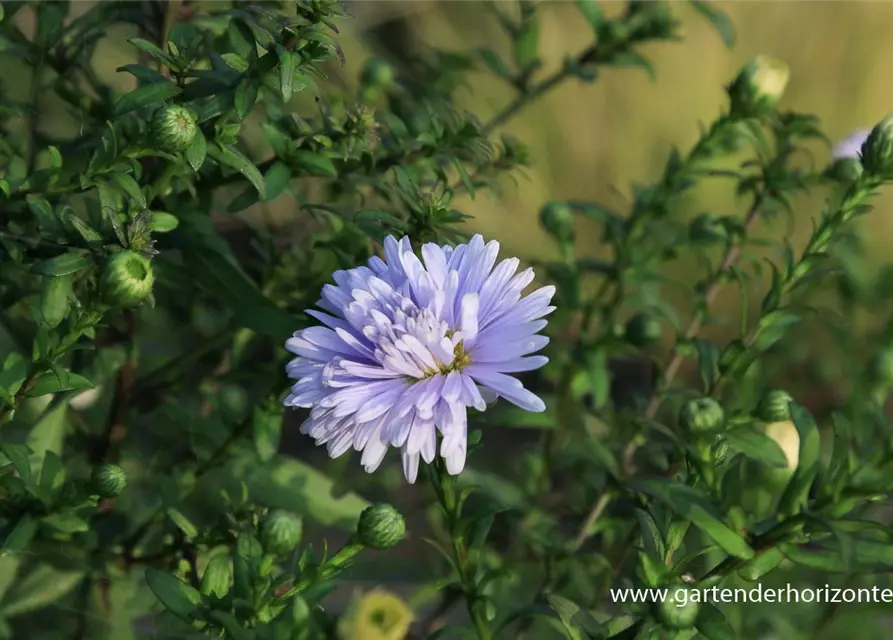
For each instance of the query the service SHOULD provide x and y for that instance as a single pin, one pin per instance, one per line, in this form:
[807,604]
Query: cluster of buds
[557,219]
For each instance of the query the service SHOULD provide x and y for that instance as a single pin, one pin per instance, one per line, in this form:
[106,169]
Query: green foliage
[144,490]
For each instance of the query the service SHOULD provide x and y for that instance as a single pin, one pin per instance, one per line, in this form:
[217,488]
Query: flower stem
[445,487]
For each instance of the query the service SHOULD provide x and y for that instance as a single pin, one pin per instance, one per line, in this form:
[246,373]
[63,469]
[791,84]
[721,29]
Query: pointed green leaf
[230,157]
[40,588]
[64,264]
[696,507]
[146,96]
[56,381]
[177,596]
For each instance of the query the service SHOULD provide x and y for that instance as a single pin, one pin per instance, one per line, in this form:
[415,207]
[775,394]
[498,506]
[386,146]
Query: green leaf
[52,473]
[652,540]
[43,213]
[267,430]
[526,44]
[162,222]
[43,586]
[56,381]
[9,567]
[228,156]
[496,64]
[146,96]
[18,455]
[868,556]
[287,63]
[183,523]
[757,446]
[66,523]
[629,59]
[599,377]
[287,483]
[252,309]
[154,51]
[592,13]
[277,179]
[566,611]
[130,186]
[713,624]
[708,363]
[63,265]
[55,297]
[796,493]
[197,151]
[720,21]
[177,596]
[246,97]
[20,537]
[693,505]
[762,564]
[88,233]
[315,164]
[229,622]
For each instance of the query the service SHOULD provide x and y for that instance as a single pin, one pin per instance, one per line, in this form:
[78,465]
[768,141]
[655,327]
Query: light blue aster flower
[408,345]
[851,146]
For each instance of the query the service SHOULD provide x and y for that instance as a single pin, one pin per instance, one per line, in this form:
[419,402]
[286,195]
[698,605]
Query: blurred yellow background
[591,141]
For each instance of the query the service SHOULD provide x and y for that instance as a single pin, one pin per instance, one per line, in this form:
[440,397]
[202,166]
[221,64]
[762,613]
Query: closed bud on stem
[758,87]
[775,406]
[642,330]
[702,415]
[557,218]
[280,532]
[377,615]
[173,128]
[378,73]
[127,279]
[877,151]
[108,480]
[679,610]
[846,171]
[381,526]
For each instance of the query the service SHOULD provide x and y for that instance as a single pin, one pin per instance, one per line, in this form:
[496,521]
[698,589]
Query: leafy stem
[451,502]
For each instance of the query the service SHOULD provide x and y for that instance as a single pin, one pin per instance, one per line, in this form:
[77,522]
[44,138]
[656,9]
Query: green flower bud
[377,615]
[877,151]
[173,128]
[642,330]
[381,526]
[701,415]
[378,73]
[127,279]
[280,532]
[846,170]
[557,218]
[759,86]
[108,480]
[680,608]
[775,406]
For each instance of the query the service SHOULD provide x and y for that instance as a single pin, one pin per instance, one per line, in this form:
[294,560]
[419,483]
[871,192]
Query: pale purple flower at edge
[409,345]
[851,146]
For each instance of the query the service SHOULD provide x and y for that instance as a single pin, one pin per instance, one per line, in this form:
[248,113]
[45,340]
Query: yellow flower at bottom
[377,615]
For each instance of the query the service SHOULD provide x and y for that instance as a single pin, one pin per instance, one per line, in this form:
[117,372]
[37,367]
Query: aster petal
[507,387]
